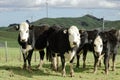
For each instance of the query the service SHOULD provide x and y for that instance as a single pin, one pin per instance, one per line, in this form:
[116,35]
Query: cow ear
[31,27]
[65,31]
[81,31]
[90,41]
[17,27]
[104,41]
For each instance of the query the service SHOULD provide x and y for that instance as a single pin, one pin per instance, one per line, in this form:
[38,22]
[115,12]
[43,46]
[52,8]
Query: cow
[86,41]
[55,58]
[64,41]
[106,44]
[32,38]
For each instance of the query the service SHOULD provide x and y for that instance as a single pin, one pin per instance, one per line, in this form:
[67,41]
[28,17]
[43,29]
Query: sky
[17,11]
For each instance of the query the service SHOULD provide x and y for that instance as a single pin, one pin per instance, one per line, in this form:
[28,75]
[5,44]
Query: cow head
[98,45]
[74,36]
[84,37]
[23,28]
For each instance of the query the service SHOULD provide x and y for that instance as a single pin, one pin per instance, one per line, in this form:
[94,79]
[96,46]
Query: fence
[8,54]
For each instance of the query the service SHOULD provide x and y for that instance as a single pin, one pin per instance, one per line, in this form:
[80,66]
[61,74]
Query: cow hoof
[71,74]
[38,67]
[106,72]
[55,69]
[84,66]
[77,67]
[24,66]
[113,68]
[94,72]
[63,74]
[29,69]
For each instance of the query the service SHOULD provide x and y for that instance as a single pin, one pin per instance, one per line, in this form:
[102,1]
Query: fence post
[6,51]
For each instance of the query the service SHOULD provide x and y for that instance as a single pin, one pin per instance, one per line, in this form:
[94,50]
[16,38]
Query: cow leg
[79,52]
[29,59]
[99,63]
[99,60]
[63,65]
[71,68]
[113,62]
[24,58]
[84,58]
[54,61]
[78,63]
[58,62]
[106,63]
[95,64]
[42,53]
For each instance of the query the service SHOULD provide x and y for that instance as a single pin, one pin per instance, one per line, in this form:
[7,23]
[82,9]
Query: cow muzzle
[23,40]
[74,43]
[97,54]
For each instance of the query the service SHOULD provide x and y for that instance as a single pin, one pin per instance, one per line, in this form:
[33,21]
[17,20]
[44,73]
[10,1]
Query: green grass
[12,69]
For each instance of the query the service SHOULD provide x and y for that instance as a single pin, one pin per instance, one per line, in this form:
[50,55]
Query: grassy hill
[85,22]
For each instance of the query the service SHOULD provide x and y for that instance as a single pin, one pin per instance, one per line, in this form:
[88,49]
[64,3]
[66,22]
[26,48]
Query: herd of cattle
[67,43]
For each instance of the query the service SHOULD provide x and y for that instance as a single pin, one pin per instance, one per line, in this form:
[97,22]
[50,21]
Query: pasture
[12,69]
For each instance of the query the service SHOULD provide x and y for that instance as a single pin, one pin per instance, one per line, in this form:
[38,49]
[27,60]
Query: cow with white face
[97,50]
[98,46]
[64,41]
[32,38]
[106,45]
[74,36]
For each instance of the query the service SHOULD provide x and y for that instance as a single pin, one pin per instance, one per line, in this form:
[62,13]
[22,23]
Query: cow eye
[101,45]
[27,31]
[94,45]
[69,33]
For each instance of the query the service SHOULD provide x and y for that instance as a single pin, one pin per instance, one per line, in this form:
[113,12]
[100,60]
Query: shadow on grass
[45,71]
[88,68]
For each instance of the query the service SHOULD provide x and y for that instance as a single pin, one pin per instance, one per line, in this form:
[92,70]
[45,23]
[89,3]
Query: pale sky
[17,11]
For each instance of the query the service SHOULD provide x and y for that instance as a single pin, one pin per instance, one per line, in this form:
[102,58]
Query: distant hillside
[86,22]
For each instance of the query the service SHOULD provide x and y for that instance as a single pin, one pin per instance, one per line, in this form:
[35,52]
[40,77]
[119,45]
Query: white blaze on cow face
[74,36]
[24,31]
[98,45]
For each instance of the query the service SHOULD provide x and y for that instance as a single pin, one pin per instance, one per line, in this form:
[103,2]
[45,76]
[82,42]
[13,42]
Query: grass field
[12,69]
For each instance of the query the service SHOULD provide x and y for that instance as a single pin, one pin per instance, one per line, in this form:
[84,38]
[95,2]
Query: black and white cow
[102,44]
[64,41]
[32,38]
[87,39]
[111,40]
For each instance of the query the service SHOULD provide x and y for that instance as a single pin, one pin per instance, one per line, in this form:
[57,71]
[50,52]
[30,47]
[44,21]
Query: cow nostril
[74,43]
[23,40]
[98,53]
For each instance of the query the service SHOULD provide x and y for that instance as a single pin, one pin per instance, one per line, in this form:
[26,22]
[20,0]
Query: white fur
[69,55]
[98,45]
[74,36]
[24,31]
[29,47]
